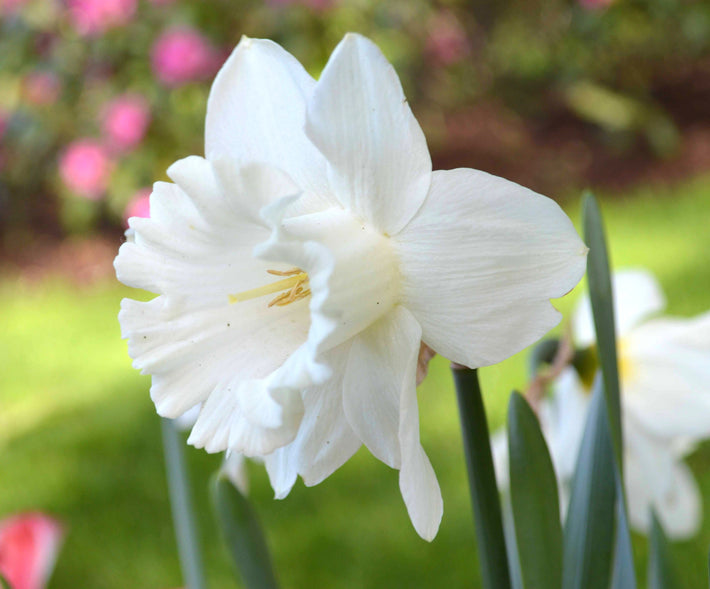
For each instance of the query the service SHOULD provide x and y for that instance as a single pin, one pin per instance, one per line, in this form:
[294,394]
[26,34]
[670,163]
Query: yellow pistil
[293,287]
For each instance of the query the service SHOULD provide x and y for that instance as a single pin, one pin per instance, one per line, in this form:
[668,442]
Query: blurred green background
[557,95]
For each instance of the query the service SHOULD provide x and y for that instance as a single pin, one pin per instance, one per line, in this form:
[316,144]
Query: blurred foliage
[598,59]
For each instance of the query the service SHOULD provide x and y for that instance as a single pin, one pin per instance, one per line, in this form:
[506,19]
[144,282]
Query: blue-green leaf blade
[534,498]
[624,572]
[242,534]
[182,506]
[600,294]
[590,523]
[485,500]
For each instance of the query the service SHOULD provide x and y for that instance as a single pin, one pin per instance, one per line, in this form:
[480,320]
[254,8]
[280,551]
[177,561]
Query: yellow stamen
[286,272]
[293,285]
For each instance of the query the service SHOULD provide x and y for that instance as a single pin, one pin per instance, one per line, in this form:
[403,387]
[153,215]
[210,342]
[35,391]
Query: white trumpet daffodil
[664,369]
[301,262]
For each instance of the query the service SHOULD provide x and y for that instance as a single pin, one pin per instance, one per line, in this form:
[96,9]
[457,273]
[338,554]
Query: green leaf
[242,534]
[661,570]
[482,480]
[589,528]
[603,309]
[511,544]
[182,506]
[4,583]
[536,506]
[624,576]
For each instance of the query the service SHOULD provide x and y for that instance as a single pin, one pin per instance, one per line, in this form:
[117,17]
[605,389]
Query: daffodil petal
[256,113]
[223,424]
[637,295]
[564,416]
[347,295]
[501,458]
[379,164]
[380,399]
[480,262]
[199,346]
[376,374]
[325,440]
[655,478]
[417,480]
[665,376]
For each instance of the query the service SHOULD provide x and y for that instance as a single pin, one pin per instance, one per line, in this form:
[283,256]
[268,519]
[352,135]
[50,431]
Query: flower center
[291,289]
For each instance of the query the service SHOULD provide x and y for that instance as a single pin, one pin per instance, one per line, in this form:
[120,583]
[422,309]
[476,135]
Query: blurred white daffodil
[300,264]
[664,366]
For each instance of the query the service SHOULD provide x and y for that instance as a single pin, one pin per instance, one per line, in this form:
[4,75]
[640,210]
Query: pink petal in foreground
[29,544]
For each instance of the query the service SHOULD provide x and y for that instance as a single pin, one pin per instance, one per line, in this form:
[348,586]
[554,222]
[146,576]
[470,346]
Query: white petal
[197,242]
[190,351]
[234,466]
[224,424]
[376,374]
[665,372]
[256,113]
[185,421]
[331,246]
[655,478]
[636,294]
[282,468]
[326,439]
[564,416]
[417,480]
[360,120]
[480,262]
[501,459]
[245,363]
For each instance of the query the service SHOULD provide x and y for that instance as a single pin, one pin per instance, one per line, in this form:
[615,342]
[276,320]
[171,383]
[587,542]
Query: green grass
[79,439]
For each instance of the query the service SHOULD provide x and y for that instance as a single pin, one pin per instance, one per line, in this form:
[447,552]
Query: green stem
[182,508]
[481,479]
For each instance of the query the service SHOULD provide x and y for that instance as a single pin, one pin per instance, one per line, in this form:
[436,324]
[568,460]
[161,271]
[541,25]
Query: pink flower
[447,41]
[93,17]
[184,55]
[29,544]
[85,168]
[41,88]
[138,206]
[125,121]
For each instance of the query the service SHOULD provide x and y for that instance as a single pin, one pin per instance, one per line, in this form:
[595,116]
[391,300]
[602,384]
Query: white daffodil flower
[300,264]
[664,366]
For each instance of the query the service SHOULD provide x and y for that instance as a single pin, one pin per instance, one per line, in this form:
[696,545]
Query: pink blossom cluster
[85,168]
[29,544]
[125,121]
[138,206]
[94,17]
[184,55]
[86,164]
